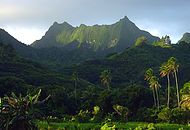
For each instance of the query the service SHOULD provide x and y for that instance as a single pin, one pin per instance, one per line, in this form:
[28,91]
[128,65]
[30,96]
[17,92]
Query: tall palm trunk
[157,97]
[154,97]
[177,88]
[168,102]
[108,85]
[75,92]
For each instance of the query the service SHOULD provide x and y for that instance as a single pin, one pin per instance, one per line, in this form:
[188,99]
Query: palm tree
[75,79]
[172,63]
[148,75]
[105,78]
[154,84]
[165,71]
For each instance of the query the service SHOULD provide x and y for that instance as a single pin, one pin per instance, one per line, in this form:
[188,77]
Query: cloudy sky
[28,20]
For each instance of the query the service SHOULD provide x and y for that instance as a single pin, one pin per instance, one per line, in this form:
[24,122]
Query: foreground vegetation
[75,102]
[111,126]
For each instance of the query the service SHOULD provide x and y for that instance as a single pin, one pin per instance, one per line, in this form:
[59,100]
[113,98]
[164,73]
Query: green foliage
[165,115]
[148,114]
[185,96]
[118,126]
[107,127]
[7,53]
[130,66]
[162,43]
[127,72]
[141,41]
[151,126]
[154,85]
[112,55]
[122,111]
[185,89]
[148,74]
[96,110]
[96,114]
[19,112]
[180,116]
[146,127]
[83,116]
[105,78]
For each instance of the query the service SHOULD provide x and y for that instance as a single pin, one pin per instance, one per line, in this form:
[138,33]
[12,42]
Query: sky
[28,20]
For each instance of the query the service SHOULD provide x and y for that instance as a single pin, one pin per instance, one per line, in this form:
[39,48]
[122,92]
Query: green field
[118,126]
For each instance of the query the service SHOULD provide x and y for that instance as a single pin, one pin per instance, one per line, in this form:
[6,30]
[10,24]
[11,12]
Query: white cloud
[24,34]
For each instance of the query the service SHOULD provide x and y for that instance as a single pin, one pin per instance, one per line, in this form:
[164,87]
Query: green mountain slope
[32,73]
[19,75]
[64,44]
[129,67]
[49,39]
[67,55]
[185,38]
[21,48]
[98,37]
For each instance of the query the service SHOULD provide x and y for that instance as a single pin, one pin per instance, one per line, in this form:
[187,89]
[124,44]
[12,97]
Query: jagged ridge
[120,35]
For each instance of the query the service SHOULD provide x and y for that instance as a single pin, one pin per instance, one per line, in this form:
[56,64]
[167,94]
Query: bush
[83,116]
[165,115]
[180,116]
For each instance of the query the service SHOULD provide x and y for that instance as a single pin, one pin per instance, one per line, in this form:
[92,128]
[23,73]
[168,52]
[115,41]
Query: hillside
[117,36]
[185,38]
[129,67]
[64,44]
[69,96]
[19,75]
[67,55]
[21,48]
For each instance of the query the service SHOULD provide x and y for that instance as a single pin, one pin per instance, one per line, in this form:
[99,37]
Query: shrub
[19,112]
[83,116]
[180,116]
[165,115]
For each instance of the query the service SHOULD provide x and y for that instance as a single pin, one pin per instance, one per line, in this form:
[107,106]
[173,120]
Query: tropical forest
[95,77]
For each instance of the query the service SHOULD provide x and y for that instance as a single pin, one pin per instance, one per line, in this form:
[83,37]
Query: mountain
[67,55]
[117,36]
[21,48]
[65,44]
[50,39]
[185,38]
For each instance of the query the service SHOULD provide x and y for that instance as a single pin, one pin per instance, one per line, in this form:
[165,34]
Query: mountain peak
[99,37]
[56,24]
[125,19]
[2,29]
[185,38]
[186,34]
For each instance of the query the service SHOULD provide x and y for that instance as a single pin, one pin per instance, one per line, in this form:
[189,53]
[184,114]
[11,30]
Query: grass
[96,126]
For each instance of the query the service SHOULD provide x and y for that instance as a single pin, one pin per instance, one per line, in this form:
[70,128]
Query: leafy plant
[107,127]
[122,111]
[83,116]
[96,114]
[185,96]
[165,115]
[20,112]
